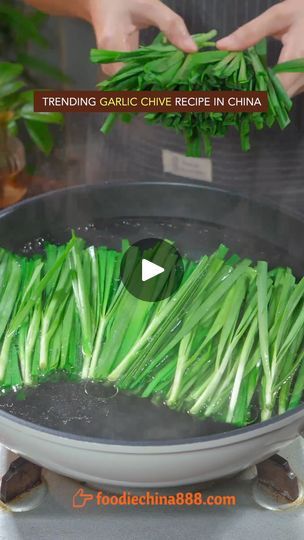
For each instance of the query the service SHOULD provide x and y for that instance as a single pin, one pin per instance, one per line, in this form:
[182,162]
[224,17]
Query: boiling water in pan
[94,410]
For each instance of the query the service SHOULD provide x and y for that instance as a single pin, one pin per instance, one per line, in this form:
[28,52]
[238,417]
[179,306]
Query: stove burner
[276,475]
[277,486]
[21,477]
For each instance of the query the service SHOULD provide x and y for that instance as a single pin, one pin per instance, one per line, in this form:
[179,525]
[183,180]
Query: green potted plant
[16,112]
[23,40]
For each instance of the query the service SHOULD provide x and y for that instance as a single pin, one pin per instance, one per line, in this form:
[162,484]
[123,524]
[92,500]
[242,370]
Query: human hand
[117,24]
[284,21]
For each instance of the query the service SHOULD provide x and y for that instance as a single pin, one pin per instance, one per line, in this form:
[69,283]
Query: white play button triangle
[149,270]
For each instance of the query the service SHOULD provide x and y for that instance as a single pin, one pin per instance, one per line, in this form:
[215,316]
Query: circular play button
[152,269]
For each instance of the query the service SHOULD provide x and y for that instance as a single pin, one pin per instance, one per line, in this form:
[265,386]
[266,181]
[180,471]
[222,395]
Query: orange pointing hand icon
[81,498]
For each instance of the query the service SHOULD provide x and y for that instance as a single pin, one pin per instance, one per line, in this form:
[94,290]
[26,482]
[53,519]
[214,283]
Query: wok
[86,431]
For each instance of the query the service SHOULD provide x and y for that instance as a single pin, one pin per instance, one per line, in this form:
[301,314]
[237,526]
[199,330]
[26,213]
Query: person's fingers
[111,69]
[171,24]
[287,79]
[271,22]
[293,48]
[297,89]
[133,41]
[114,38]
[290,82]
[127,43]
[293,83]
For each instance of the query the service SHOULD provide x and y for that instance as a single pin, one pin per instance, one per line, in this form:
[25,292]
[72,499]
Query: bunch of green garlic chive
[161,66]
[228,344]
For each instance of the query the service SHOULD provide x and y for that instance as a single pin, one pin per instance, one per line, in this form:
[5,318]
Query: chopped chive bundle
[161,66]
[227,344]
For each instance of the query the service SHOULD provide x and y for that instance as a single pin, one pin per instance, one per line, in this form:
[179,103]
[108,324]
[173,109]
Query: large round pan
[85,433]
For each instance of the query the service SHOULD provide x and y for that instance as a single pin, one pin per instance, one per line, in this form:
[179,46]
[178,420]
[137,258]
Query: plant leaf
[40,135]
[27,113]
[9,71]
[10,88]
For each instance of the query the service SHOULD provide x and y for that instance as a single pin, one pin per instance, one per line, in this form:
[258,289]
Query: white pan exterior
[149,465]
